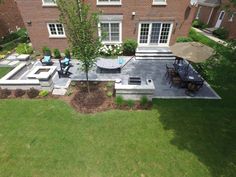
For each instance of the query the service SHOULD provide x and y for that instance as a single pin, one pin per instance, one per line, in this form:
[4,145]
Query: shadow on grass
[206,128]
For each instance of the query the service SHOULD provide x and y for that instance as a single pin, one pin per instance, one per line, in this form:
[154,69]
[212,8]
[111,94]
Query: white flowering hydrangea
[111,50]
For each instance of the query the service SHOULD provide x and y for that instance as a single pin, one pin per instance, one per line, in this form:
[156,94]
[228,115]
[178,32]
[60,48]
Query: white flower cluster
[111,50]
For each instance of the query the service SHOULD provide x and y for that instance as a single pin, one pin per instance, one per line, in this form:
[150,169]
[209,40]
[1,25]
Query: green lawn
[177,138]
[4,71]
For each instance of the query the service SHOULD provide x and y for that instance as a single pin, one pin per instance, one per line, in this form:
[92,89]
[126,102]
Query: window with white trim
[49,2]
[159,2]
[56,30]
[108,2]
[110,32]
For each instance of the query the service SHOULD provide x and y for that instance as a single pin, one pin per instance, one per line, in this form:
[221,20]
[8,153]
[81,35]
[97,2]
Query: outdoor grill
[134,81]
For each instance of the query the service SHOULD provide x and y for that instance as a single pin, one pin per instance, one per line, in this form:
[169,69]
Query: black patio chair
[170,71]
[193,88]
[64,64]
[175,81]
[46,60]
[64,72]
[179,60]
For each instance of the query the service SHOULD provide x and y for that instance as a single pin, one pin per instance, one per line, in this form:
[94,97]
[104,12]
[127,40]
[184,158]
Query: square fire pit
[42,72]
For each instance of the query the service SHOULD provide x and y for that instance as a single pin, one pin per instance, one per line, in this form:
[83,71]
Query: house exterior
[151,22]
[215,14]
[10,18]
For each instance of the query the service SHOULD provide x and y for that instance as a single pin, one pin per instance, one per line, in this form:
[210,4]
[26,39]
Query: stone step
[154,58]
[13,63]
[155,54]
[60,92]
[153,49]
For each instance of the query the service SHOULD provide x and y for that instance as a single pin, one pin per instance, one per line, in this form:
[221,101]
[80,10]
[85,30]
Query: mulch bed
[101,98]
[95,101]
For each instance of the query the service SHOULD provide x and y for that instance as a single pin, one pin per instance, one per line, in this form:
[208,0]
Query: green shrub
[221,33]
[32,93]
[13,36]
[43,93]
[46,50]
[119,100]
[129,47]
[24,49]
[109,94]
[73,83]
[4,93]
[109,84]
[184,39]
[143,101]
[67,53]
[130,103]
[19,93]
[9,46]
[199,24]
[57,53]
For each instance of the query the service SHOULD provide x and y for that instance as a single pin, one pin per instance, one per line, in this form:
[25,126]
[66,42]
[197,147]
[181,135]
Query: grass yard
[4,71]
[193,138]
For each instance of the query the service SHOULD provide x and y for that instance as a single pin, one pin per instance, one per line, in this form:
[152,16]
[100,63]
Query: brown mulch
[82,101]
[95,101]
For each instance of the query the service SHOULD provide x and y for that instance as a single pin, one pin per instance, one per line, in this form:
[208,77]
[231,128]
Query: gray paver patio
[149,69]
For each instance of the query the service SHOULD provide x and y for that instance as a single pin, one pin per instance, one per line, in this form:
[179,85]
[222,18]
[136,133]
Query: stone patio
[145,69]
[148,69]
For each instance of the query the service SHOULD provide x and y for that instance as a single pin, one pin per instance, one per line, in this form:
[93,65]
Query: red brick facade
[10,18]
[226,23]
[180,14]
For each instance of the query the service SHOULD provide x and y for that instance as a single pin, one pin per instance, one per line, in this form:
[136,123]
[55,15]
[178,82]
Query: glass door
[154,34]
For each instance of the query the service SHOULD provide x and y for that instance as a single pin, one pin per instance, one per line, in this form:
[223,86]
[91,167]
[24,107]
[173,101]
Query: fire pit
[42,72]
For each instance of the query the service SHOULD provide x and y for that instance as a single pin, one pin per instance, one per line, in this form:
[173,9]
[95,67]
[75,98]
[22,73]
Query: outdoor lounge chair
[64,72]
[65,62]
[47,59]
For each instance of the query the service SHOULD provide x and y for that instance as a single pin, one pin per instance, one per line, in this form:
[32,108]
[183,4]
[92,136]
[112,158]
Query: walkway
[210,36]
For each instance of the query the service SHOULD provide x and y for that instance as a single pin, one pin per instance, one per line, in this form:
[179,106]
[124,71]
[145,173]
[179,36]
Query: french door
[155,33]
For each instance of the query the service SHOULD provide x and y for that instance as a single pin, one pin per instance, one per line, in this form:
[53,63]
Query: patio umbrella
[192,51]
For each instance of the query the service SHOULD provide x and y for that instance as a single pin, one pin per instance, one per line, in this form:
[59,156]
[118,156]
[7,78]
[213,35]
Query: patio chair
[170,71]
[65,62]
[179,60]
[47,59]
[193,87]
[175,80]
[64,72]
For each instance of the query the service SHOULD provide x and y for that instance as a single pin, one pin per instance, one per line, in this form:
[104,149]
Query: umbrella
[192,51]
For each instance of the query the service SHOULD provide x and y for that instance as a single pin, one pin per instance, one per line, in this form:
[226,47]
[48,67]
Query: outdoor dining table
[187,75]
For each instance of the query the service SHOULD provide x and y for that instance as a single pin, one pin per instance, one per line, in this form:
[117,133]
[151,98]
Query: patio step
[208,30]
[154,58]
[60,92]
[154,53]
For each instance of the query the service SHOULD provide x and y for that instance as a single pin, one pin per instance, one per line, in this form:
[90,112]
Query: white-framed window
[110,32]
[108,2]
[56,30]
[159,2]
[232,17]
[49,2]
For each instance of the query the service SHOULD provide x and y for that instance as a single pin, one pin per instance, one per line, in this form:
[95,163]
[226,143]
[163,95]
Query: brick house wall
[10,18]
[180,14]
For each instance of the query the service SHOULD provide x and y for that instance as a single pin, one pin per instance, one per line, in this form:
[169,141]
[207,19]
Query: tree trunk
[87,81]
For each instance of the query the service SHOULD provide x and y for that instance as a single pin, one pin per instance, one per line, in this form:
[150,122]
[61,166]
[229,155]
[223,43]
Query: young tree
[81,30]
